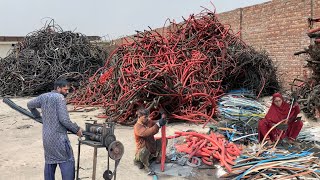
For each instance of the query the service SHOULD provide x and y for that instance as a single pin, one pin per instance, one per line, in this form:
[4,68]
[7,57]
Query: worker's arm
[63,116]
[145,132]
[33,105]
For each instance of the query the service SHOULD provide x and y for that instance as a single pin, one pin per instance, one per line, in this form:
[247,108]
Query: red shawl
[277,114]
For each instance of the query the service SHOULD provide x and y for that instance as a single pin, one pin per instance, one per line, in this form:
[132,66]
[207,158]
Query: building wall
[4,48]
[279,27]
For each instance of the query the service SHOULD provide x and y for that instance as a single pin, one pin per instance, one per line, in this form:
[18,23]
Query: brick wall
[279,27]
[316,8]
[231,18]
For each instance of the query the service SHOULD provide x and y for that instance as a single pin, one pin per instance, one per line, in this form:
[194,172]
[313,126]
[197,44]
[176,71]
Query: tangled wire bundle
[45,55]
[183,71]
[308,90]
[313,62]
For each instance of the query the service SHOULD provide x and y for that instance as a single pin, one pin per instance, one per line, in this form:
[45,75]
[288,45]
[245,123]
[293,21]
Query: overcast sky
[110,18]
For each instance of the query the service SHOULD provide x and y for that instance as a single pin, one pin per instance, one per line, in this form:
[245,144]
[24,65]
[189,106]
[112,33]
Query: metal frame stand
[95,145]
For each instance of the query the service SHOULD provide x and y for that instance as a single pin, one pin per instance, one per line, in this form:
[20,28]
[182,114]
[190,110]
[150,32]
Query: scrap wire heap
[45,55]
[241,114]
[309,90]
[184,70]
[210,148]
[279,164]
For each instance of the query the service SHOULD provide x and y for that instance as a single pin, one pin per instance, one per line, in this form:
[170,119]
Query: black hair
[142,112]
[60,83]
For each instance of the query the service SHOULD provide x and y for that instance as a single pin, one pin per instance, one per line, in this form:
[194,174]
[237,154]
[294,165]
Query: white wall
[5,47]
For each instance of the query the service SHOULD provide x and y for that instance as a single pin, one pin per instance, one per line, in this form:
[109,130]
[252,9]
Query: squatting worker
[147,148]
[279,111]
[56,123]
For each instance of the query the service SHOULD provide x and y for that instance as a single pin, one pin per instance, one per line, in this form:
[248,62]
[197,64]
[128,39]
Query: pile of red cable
[209,148]
[183,70]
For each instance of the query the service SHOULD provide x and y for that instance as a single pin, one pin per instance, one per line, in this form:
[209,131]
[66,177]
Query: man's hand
[79,133]
[162,121]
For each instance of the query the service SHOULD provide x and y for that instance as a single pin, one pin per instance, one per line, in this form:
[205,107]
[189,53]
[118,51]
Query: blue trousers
[67,171]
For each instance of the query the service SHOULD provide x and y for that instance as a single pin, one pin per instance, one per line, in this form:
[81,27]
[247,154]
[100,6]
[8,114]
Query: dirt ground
[22,157]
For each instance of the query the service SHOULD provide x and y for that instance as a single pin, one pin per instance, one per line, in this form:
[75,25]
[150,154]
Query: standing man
[146,146]
[56,123]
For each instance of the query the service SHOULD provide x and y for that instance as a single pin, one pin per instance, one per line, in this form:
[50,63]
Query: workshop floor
[21,153]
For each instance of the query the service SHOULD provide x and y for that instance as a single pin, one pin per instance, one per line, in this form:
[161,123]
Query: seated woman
[279,111]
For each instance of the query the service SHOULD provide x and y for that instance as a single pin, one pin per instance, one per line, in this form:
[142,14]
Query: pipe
[163,146]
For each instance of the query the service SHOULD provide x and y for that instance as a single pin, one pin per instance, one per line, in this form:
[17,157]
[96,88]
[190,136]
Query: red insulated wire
[179,61]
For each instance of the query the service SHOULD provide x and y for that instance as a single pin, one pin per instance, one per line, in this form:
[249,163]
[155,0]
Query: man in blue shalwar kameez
[56,123]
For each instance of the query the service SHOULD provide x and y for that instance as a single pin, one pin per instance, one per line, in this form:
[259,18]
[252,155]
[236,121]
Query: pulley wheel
[109,139]
[107,175]
[116,150]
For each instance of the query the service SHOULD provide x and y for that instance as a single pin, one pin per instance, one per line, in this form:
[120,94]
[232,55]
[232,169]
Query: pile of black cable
[46,55]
